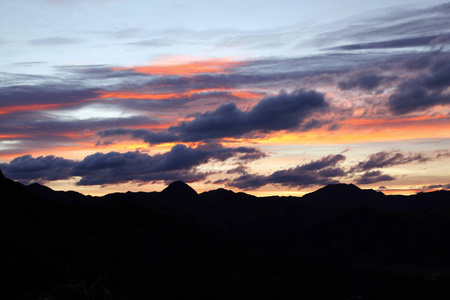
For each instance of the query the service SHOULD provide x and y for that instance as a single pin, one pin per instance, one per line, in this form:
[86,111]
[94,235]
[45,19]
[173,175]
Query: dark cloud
[112,168]
[145,135]
[366,82]
[45,94]
[282,112]
[385,159]
[436,186]
[442,153]
[413,98]
[373,177]
[313,124]
[37,124]
[398,43]
[426,90]
[238,170]
[319,172]
[43,168]
[334,126]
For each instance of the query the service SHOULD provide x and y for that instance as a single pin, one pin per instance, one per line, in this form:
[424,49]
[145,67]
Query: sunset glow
[282,107]
[186,68]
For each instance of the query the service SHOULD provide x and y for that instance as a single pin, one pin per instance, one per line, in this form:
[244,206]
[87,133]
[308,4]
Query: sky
[266,97]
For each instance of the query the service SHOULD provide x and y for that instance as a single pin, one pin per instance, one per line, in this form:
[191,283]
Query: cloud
[391,28]
[238,170]
[373,177]
[425,90]
[37,124]
[436,186]
[45,96]
[398,43]
[112,168]
[156,42]
[282,112]
[319,172]
[145,135]
[365,82]
[54,41]
[43,168]
[385,159]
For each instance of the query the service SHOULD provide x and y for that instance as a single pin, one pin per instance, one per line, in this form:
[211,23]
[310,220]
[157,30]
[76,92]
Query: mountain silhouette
[179,190]
[344,196]
[339,242]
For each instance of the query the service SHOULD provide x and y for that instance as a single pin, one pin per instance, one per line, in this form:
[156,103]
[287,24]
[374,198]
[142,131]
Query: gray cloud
[426,90]
[320,172]
[373,177]
[238,170]
[366,82]
[396,28]
[398,43]
[55,94]
[385,159]
[282,112]
[54,41]
[112,168]
[157,42]
[436,186]
[43,168]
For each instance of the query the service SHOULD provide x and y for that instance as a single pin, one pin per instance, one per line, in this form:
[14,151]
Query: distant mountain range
[339,242]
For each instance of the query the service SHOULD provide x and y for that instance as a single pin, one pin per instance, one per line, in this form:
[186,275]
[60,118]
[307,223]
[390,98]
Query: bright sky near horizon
[268,97]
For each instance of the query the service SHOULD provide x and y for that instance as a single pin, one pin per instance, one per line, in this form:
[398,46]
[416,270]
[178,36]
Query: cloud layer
[113,168]
[283,112]
[319,172]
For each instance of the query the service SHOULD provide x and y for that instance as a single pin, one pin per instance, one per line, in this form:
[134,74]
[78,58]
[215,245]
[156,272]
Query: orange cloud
[390,122]
[149,96]
[12,136]
[12,109]
[363,130]
[186,68]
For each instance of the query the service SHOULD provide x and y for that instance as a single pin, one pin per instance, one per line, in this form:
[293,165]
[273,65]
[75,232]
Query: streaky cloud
[373,177]
[398,43]
[365,82]
[427,89]
[319,172]
[54,41]
[389,158]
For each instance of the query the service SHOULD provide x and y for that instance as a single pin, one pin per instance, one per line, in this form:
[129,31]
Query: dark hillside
[339,242]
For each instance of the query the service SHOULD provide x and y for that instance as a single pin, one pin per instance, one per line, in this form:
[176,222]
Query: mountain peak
[339,187]
[179,188]
[343,195]
[1,175]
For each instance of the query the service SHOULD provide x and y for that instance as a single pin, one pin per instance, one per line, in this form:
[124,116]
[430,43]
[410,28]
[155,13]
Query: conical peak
[179,188]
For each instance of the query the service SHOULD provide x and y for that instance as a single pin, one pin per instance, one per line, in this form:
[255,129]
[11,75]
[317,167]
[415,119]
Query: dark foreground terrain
[339,242]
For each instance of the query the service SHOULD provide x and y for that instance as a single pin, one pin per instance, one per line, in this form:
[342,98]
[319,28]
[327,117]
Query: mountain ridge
[224,245]
[332,196]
